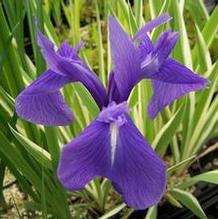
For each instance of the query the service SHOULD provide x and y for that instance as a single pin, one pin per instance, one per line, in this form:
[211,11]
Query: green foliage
[31,152]
[189,201]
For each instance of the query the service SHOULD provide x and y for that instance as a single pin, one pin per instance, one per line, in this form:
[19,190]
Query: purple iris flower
[111,146]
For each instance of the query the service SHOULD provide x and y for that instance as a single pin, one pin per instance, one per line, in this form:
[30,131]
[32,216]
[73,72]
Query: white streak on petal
[114,134]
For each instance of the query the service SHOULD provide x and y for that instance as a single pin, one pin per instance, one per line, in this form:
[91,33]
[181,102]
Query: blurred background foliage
[181,134]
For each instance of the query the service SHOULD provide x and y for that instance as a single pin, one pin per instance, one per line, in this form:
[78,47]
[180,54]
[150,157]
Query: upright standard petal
[151,25]
[73,67]
[42,102]
[126,59]
[145,46]
[152,61]
[171,82]
[113,147]
[133,63]
[165,44]
[113,92]
[67,51]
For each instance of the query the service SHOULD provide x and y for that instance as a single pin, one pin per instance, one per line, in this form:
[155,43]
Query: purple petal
[131,63]
[113,147]
[145,46]
[113,93]
[85,158]
[126,59]
[42,103]
[153,60]
[47,49]
[67,51]
[151,25]
[114,113]
[165,45]
[65,63]
[171,82]
[137,172]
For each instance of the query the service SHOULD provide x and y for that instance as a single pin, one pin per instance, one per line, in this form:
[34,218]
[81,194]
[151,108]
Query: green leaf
[172,200]
[133,99]
[57,12]
[182,50]
[127,213]
[113,212]
[209,177]
[189,201]
[99,43]
[211,27]
[87,100]
[152,213]
[208,32]
[176,166]
[11,69]
[53,145]
[206,95]
[138,9]
[207,129]
[128,16]
[16,158]
[4,53]
[7,102]
[105,187]
[198,12]
[204,59]
[41,155]
[158,30]
[201,115]
[164,136]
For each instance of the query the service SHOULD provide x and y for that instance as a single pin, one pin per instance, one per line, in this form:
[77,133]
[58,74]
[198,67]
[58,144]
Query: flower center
[114,113]
[115,116]
[150,65]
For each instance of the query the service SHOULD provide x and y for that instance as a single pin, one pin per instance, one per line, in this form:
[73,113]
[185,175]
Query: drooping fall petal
[42,103]
[171,82]
[113,147]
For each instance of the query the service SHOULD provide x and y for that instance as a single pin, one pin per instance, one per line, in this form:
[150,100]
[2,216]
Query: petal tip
[155,196]
[27,108]
[152,24]
[65,180]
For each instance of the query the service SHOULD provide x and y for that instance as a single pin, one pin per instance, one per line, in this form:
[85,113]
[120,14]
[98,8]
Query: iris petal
[152,61]
[72,67]
[151,25]
[165,45]
[171,82]
[138,173]
[145,46]
[132,64]
[113,92]
[126,59]
[42,101]
[67,51]
[85,157]
[112,147]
